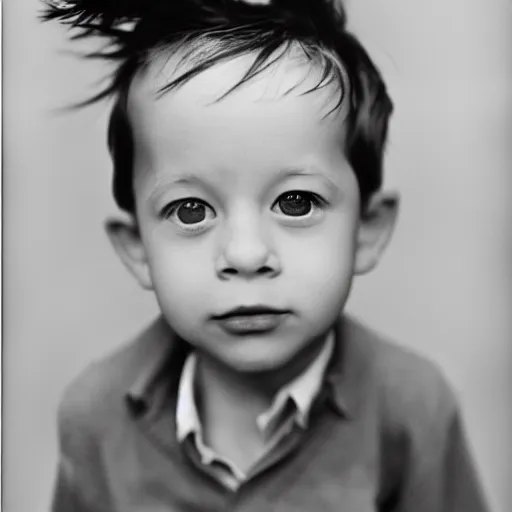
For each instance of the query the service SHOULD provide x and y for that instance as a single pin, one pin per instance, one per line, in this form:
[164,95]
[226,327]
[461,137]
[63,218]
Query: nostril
[262,271]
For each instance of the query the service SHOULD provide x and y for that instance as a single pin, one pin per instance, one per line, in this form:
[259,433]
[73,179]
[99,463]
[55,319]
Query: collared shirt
[384,435]
[273,423]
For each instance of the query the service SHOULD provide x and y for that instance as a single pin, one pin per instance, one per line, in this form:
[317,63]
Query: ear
[125,238]
[375,229]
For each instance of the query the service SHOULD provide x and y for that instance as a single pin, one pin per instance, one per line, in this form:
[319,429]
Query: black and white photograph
[257,256]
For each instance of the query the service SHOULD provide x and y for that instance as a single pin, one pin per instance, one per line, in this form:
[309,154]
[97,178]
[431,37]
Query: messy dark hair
[213,31]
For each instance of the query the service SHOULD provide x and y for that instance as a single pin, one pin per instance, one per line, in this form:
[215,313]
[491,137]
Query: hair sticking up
[213,31]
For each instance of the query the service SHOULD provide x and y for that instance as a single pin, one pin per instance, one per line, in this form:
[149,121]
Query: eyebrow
[191,179]
[181,179]
[307,172]
[162,184]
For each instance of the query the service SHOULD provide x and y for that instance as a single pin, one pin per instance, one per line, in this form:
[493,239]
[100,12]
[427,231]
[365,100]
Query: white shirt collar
[302,390]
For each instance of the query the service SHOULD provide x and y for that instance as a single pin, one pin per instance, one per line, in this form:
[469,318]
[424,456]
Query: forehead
[277,112]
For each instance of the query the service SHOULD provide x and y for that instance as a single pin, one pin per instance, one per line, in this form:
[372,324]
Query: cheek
[323,256]
[181,273]
[319,271]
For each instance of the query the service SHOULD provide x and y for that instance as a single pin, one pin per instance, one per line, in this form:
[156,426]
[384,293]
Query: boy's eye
[191,212]
[297,203]
[188,212]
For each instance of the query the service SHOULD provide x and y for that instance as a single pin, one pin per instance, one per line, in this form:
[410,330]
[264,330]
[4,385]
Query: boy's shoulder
[411,390]
[100,389]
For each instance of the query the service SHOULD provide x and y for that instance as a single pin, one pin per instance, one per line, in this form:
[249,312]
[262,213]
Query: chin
[265,364]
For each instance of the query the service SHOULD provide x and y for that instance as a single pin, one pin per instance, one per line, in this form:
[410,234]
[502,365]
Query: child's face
[248,201]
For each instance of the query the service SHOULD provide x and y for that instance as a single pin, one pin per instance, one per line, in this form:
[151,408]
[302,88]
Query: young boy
[247,143]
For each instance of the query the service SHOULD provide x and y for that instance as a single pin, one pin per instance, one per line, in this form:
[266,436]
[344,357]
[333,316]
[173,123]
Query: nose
[247,251]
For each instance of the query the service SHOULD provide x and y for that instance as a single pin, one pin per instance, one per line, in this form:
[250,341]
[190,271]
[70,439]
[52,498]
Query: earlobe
[375,229]
[125,238]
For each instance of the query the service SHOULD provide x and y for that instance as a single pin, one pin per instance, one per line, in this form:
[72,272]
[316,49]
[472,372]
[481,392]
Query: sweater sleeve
[441,476]
[461,487]
[67,494]
[79,485]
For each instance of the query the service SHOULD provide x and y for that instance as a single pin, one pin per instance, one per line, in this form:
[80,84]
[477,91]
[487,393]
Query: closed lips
[250,311]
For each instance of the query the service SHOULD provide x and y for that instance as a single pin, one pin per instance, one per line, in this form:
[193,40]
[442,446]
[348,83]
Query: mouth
[243,311]
[251,319]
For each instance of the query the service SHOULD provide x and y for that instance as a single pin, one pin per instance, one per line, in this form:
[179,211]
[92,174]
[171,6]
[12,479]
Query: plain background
[443,288]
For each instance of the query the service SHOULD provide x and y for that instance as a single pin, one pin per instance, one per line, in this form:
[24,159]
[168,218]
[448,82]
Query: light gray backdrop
[444,288]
